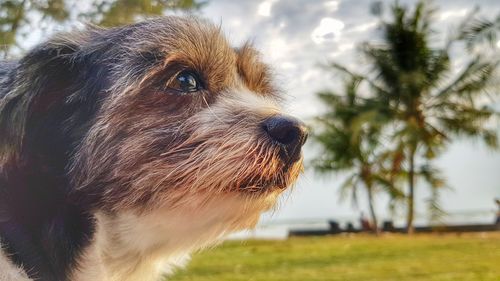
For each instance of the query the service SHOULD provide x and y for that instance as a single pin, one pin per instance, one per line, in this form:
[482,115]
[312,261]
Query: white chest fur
[144,247]
[10,272]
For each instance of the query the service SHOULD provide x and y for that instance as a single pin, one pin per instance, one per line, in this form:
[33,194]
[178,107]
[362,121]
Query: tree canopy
[18,17]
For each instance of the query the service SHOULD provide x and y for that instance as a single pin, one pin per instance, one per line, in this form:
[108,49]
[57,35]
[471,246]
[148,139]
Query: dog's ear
[45,92]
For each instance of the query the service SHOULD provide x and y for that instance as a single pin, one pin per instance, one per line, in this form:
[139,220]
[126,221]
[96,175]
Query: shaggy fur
[107,173]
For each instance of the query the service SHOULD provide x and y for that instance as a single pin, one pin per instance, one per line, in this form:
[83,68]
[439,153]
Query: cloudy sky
[296,37]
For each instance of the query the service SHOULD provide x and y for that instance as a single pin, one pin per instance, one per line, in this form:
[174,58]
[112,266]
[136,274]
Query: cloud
[329,29]
[451,14]
[277,48]
[364,27]
[264,8]
[332,6]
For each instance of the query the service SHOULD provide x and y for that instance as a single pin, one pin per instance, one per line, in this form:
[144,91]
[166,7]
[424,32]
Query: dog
[124,150]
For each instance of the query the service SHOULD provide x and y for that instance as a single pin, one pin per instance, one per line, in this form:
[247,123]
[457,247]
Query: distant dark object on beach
[388,227]
[497,221]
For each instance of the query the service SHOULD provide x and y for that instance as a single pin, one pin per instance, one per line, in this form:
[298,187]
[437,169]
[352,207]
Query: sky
[297,37]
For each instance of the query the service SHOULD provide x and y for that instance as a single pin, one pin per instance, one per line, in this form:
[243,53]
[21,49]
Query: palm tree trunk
[410,229]
[372,210]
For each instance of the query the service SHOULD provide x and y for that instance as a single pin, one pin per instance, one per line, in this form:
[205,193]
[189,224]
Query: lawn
[465,257]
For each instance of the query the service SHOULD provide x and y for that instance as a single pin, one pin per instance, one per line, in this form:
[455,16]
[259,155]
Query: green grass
[391,257]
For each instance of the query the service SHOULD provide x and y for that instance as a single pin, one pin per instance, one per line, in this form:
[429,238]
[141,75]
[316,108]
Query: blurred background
[402,101]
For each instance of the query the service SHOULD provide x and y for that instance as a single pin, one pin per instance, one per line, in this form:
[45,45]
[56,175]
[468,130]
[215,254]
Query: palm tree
[349,136]
[426,103]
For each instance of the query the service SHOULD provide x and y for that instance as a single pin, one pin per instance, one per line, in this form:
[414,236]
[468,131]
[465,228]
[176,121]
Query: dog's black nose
[289,132]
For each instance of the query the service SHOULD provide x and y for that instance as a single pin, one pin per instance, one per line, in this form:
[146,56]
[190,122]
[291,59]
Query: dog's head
[151,115]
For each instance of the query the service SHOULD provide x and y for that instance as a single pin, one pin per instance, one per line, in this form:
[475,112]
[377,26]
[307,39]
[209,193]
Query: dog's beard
[220,149]
[222,158]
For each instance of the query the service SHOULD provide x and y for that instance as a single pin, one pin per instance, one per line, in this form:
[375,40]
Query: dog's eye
[186,82]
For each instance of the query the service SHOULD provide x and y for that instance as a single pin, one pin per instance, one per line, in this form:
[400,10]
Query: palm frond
[473,79]
[480,31]
[349,188]
[436,211]
[345,70]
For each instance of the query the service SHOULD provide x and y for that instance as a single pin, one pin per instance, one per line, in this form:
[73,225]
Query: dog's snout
[286,130]
[290,132]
